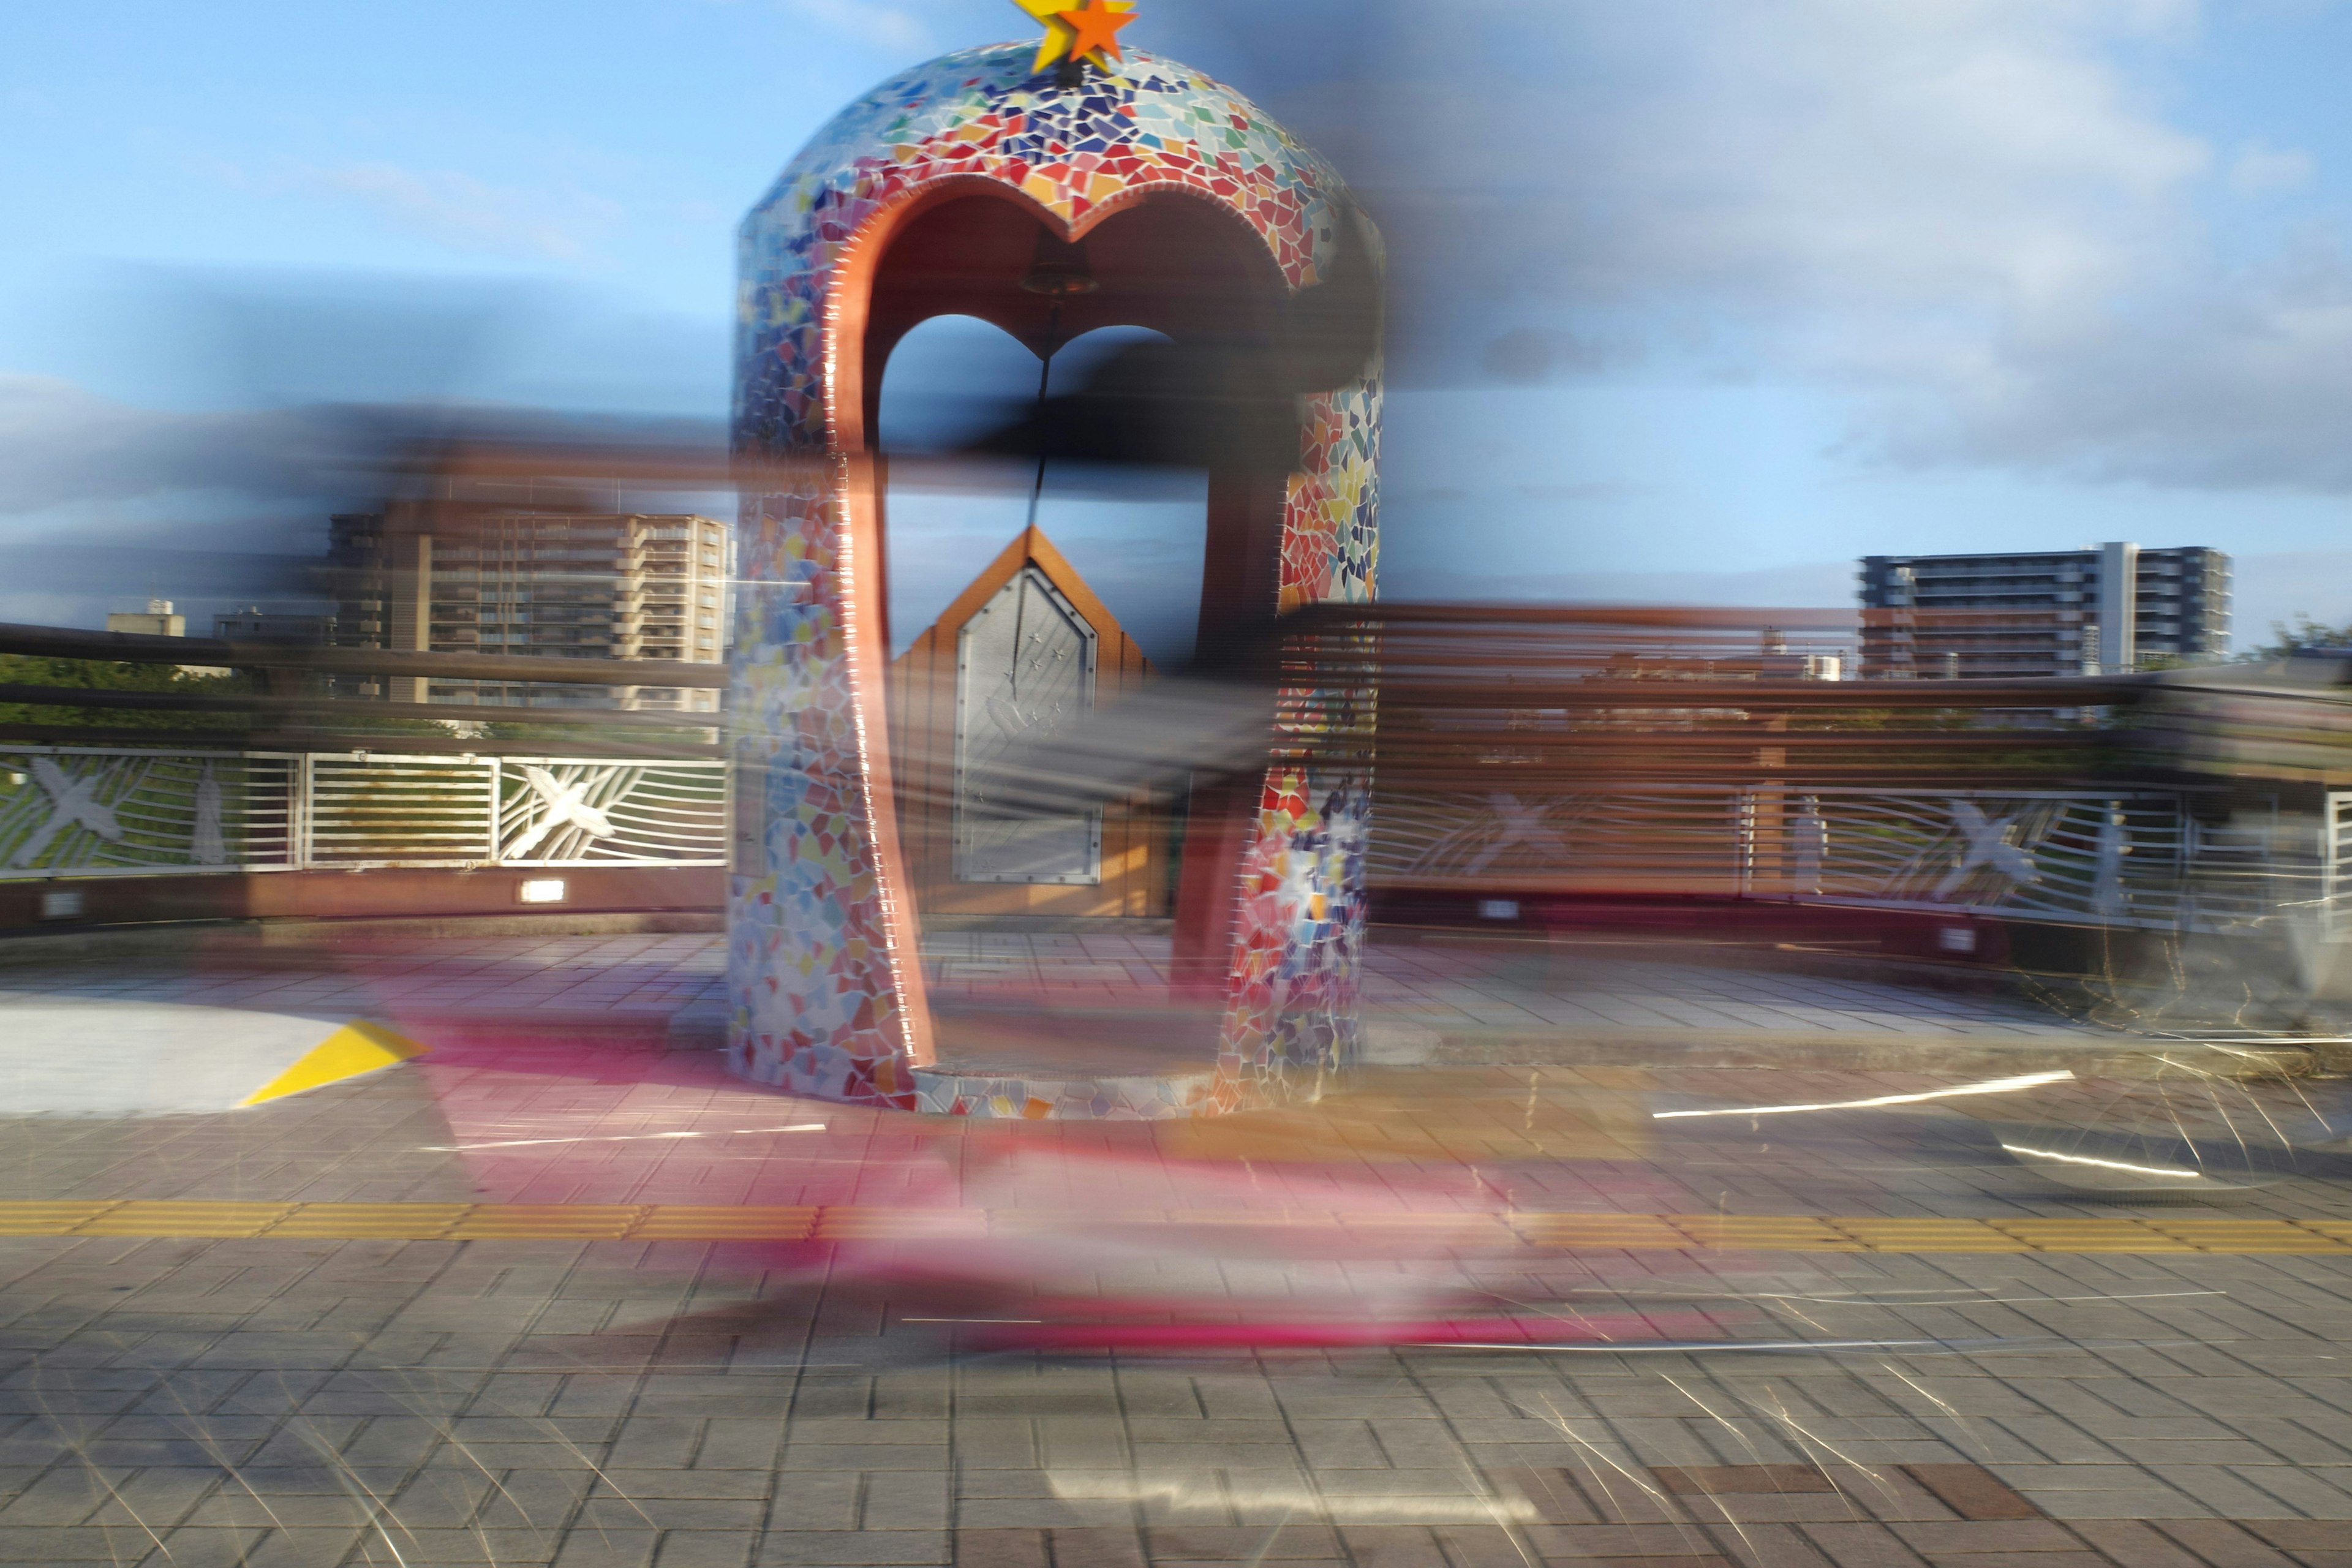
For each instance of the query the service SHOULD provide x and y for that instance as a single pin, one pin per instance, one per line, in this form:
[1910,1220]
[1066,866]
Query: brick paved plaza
[1882,1337]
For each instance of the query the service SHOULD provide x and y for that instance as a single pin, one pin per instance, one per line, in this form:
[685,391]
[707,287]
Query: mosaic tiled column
[1291,994]
[823,972]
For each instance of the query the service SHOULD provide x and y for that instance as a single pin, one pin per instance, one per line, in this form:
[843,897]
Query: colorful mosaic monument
[823,975]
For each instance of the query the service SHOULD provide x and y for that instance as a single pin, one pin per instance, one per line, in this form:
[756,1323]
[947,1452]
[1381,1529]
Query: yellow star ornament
[1087,31]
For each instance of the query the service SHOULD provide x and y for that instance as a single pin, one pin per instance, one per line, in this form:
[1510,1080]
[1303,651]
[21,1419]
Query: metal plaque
[1024,665]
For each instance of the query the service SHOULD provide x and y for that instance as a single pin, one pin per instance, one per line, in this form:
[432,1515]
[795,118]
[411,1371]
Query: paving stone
[113,1547]
[704,1549]
[2149,1503]
[646,1441]
[234,1507]
[1392,1546]
[605,1548]
[1482,1545]
[824,1502]
[2060,1441]
[2251,1492]
[2135,1544]
[1933,1540]
[909,1500]
[2299,1535]
[1614,1540]
[634,1513]
[1550,1491]
[1746,1510]
[2310,1491]
[740,1444]
[612,1481]
[817,1457]
[201,1548]
[995,1548]
[1850,1545]
[858,1549]
[1972,1491]
[1710,1480]
[1220,1543]
[66,1496]
[489,1383]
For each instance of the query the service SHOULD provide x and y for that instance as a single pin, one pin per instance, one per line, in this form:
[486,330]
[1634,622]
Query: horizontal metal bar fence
[69,811]
[2133,857]
[2123,857]
[2336,849]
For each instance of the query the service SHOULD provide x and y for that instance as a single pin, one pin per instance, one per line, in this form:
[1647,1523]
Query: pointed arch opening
[1153,502]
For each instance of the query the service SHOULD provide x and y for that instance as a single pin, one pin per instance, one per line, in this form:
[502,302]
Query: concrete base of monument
[1102,1097]
[1060,1063]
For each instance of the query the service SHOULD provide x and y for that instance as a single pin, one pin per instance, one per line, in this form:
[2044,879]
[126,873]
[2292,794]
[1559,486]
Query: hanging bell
[1058,268]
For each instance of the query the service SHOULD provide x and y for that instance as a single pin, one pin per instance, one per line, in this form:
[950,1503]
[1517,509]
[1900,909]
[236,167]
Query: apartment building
[159,619]
[546,581]
[2108,608]
[254,624]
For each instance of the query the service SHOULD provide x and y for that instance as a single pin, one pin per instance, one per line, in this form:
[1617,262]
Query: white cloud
[886,27]
[1971,215]
[1932,154]
[457,209]
[2259,170]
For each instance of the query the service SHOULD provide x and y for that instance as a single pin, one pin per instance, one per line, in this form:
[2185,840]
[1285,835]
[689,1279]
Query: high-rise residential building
[548,580]
[2104,609]
[254,624]
[157,620]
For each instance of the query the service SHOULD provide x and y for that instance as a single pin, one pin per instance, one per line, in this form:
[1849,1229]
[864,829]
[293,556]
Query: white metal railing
[111,811]
[2123,857]
[2336,854]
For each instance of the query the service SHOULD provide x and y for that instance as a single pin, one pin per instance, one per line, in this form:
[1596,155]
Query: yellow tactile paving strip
[185,1219]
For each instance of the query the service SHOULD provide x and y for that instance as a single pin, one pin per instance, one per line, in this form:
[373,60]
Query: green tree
[2304,632]
[106,675]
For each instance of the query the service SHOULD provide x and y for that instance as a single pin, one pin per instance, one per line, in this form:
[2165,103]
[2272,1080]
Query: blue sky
[1803,279]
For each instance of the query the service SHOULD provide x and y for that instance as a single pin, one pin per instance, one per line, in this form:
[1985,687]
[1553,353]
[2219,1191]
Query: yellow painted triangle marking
[358,1047]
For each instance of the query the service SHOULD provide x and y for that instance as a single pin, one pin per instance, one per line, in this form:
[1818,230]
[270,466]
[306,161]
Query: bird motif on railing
[561,803]
[73,802]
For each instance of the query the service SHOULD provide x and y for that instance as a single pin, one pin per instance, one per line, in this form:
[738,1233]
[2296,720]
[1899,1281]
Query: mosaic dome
[1149,124]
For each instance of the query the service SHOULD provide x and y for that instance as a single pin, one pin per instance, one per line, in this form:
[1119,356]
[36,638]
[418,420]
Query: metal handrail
[439,712]
[141,648]
[75,737]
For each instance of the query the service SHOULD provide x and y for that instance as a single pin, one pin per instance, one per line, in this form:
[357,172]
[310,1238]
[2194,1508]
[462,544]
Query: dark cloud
[65,448]
[60,445]
[282,337]
[1528,355]
[1522,354]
